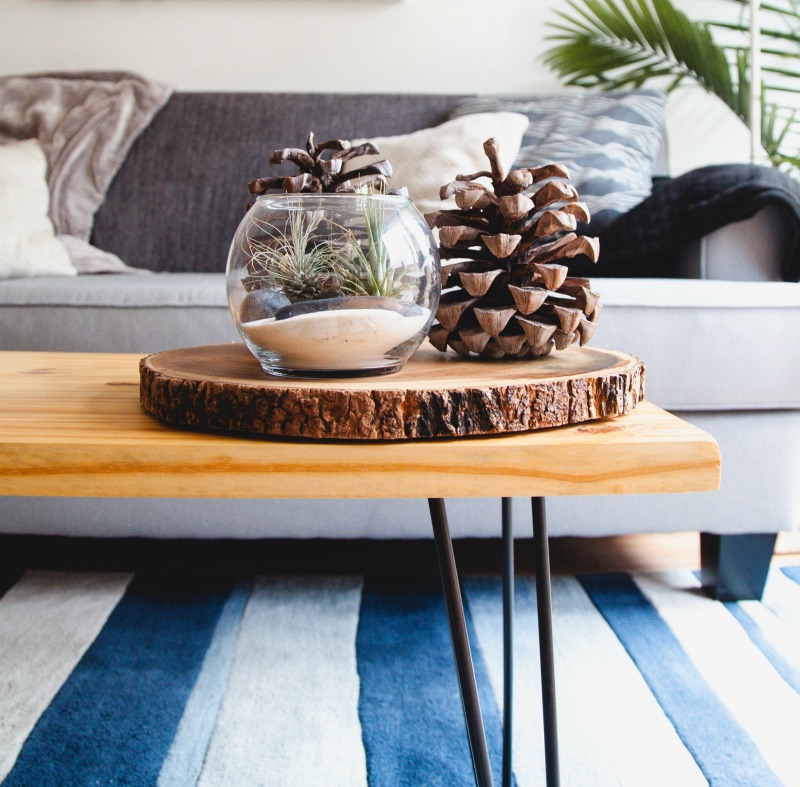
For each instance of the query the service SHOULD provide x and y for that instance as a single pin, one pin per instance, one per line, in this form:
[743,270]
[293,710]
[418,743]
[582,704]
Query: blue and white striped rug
[112,679]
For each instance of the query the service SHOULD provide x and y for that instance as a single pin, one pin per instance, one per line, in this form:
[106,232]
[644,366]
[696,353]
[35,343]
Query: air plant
[317,258]
[368,271]
[291,261]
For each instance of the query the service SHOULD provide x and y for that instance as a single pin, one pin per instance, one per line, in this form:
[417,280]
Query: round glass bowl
[333,285]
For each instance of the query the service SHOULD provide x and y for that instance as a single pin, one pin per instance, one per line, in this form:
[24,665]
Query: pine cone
[321,169]
[505,293]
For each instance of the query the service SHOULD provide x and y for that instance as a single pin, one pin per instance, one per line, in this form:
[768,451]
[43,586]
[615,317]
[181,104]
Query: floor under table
[645,552]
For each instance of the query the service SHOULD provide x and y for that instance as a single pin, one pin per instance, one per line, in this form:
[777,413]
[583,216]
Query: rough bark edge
[389,414]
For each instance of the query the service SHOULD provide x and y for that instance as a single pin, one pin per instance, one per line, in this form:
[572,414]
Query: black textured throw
[643,242]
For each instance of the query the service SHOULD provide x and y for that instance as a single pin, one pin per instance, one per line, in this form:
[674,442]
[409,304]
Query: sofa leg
[734,567]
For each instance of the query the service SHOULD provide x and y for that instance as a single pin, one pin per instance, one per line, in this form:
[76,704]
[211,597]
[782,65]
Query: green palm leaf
[610,44]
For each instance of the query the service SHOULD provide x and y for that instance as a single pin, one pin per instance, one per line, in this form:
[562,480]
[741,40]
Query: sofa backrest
[182,190]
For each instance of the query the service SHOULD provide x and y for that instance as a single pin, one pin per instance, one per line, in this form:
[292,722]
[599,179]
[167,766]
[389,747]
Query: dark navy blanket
[643,242]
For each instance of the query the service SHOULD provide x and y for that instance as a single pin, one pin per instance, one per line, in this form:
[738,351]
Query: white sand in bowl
[335,339]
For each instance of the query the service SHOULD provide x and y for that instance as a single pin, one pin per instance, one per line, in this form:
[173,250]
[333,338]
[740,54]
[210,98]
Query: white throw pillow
[426,160]
[28,246]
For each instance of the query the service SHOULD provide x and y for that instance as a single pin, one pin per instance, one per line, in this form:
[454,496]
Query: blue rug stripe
[114,719]
[407,672]
[793,572]
[723,751]
[779,660]
[185,759]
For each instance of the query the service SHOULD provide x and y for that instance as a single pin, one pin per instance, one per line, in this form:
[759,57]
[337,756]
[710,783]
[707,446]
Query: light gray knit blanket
[86,123]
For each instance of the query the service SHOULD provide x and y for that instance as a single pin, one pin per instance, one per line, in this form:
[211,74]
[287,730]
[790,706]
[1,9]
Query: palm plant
[610,44]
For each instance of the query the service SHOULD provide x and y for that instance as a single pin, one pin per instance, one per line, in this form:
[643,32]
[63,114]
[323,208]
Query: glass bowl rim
[286,197]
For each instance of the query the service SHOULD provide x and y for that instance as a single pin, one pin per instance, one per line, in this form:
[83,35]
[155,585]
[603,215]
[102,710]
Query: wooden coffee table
[71,424]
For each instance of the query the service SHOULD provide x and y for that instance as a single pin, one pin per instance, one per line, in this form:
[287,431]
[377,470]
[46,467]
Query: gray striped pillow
[608,141]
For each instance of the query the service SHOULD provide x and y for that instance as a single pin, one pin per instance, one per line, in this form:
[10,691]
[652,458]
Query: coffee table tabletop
[71,424]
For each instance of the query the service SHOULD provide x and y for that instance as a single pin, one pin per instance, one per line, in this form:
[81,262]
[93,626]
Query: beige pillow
[28,246]
[425,160]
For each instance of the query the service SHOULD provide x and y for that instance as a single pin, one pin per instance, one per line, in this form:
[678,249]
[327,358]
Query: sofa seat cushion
[115,314]
[688,332]
[706,345]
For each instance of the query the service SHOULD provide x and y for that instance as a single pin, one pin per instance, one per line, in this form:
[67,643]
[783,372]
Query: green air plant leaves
[289,260]
[367,272]
[313,258]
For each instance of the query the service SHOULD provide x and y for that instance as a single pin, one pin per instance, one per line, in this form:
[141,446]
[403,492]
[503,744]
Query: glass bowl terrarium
[333,284]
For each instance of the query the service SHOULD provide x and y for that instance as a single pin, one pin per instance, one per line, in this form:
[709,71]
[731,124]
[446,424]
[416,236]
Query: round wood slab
[223,388]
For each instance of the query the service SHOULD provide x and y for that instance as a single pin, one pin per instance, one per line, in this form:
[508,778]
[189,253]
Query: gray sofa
[718,352]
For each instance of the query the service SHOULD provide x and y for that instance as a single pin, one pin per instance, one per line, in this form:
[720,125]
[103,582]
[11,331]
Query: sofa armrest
[749,250]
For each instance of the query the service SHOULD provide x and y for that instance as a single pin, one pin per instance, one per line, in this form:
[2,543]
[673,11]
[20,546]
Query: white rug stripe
[290,714]
[782,596]
[185,759]
[47,622]
[621,736]
[785,640]
[487,618]
[581,759]
[734,668]
[636,736]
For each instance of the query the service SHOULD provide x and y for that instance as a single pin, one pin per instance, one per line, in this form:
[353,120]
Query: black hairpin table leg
[544,606]
[508,642]
[458,632]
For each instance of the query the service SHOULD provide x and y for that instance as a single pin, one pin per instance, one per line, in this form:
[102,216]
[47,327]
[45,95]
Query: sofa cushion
[86,123]
[706,345]
[608,141]
[139,314]
[182,190]
[702,130]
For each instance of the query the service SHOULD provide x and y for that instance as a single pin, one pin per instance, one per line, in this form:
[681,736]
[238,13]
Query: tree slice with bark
[223,388]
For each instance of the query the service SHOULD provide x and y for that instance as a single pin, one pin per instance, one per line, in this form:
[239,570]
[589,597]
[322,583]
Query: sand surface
[336,339]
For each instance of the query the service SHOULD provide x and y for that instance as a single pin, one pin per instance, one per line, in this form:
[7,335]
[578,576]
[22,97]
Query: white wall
[313,45]
[429,46]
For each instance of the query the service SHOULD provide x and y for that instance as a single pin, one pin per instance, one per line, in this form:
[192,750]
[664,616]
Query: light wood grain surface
[71,424]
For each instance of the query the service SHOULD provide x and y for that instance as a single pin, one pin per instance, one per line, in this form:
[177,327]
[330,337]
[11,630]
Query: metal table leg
[544,606]
[461,651]
[508,642]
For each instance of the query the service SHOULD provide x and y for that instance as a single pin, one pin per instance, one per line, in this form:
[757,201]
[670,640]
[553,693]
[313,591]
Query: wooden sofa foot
[734,567]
